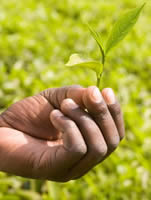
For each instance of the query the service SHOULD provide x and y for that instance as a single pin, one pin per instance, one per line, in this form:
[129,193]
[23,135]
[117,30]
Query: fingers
[96,145]
[96,106]
[73,148]
[100,127]
[98,130]
[115,110]
[55,96]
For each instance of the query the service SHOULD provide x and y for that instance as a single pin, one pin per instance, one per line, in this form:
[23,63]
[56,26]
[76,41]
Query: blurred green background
[36,40]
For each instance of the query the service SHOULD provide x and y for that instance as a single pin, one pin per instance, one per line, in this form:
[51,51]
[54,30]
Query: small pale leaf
[76,61]
[122,27]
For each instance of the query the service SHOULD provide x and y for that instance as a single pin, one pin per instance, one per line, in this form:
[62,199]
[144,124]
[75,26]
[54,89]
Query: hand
[61,133]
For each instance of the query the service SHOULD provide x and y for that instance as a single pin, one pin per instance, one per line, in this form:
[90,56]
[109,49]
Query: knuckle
[85,120]
[102,112]
[99,151]
[117,110]
[113,145]
[79,149]
[68,125]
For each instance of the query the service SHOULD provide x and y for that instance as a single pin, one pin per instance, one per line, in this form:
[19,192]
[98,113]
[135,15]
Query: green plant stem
[100,75]
[103,56]
[98,81]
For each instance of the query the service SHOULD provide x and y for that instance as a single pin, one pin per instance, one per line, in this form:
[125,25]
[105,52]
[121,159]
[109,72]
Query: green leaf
[122,27]
[97,38]
[76,61]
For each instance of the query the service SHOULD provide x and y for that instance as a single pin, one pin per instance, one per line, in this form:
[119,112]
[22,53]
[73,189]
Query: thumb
[56,95]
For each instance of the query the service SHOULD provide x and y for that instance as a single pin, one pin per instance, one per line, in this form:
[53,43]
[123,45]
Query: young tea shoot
[119,31]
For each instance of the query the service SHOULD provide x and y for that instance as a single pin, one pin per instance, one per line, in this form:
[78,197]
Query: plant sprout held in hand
[120,29]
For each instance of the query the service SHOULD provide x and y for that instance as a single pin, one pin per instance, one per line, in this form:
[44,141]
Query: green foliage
[122,27]
[76,61]
[97,38]
[36,39]
[118,33]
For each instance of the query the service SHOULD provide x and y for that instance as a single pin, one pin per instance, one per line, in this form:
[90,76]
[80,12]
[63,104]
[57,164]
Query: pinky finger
[115,110]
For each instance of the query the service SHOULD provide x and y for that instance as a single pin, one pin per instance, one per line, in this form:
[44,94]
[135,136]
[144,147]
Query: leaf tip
[142,6]
[124,23]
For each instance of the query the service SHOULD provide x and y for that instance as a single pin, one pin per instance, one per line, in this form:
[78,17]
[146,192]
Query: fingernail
[109,96]
[96,95]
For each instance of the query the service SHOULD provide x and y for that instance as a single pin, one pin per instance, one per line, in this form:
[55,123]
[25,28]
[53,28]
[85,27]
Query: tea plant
[120,29]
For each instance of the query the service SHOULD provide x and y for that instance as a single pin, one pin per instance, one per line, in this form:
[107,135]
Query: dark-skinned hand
[61,133]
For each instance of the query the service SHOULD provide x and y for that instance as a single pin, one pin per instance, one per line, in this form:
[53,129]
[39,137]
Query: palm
[33,144]
[31,116]
[26,118]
